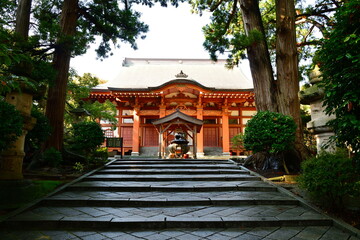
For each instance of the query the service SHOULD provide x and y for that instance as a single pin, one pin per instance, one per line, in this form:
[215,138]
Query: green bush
[41,130]
[11,124]
[269,132]
[86,137]
[99,157]
[329,177]
[52,157]
[237,141]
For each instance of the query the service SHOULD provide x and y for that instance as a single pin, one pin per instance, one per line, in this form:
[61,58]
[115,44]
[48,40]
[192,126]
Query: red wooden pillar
[225,132]
[136,133]
[200,135]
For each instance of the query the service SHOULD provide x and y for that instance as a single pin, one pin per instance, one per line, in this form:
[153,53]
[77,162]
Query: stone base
[226,154]
[200,155]
[322,142]
[11,165]
[135,154]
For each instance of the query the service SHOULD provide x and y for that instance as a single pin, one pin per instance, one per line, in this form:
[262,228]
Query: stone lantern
[313,96]
[11,160]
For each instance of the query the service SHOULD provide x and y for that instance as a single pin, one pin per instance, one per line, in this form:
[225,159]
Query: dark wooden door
[211,137]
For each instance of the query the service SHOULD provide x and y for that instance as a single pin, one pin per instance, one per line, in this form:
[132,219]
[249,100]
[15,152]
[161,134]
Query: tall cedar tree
[103,18]
[244,29]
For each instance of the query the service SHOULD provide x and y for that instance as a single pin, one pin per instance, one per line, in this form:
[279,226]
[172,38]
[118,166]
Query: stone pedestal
[227,154]
[11,160]
[135,154]
[318,125]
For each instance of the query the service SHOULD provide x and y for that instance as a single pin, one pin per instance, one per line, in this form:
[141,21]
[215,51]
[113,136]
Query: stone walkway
[176,199]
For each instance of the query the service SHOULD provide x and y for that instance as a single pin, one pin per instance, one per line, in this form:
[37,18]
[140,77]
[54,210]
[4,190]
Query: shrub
[86,137]
[237,141]
[79,167]
[99,157]
[269,132]
[329,177]
[52,157]
[11,124]
[41,130]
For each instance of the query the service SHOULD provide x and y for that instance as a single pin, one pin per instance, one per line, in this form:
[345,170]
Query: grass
[16,195]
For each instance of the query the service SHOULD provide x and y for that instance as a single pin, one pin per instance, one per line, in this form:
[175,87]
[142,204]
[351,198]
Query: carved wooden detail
[212,113]
[149,112]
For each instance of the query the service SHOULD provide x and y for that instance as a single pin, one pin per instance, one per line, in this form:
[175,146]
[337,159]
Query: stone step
[172,166]
[166,217]
[132,159]
[171,171]
[171,196]
[250,233]
[162,178]
[170,162]
[78,224]
[78,202]
[148,188]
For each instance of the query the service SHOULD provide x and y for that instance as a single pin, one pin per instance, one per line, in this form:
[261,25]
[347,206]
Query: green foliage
[11,124]
[113,21]
[7,12]
[79,167]
[270,132]
[52,157]
[329,177]
[79,88]
[21,67]
[238,141]
[86,137]
[339,61]
[41,131]
[99,157]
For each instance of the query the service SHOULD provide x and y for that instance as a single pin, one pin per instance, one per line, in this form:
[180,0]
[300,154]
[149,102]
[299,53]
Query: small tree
[270,133]
[238,141]
[41,130]
[85,138]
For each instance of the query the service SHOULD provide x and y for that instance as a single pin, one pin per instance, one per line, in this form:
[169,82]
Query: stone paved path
[177,199]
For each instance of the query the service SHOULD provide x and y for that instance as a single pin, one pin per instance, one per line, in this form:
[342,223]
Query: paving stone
[335,234]
[57,235]
[95,236]
[312,232]
[234,232]
[112,234]
[188,236]
[285,233]
[157,236]
[127,237]
[172,233]
[263,231]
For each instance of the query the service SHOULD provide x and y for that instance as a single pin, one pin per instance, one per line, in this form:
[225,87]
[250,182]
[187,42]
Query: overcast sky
[173,33]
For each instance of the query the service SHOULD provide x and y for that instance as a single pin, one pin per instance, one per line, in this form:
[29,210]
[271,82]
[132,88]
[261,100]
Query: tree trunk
[259,58]
[23,18]
[55,105]
[287,68]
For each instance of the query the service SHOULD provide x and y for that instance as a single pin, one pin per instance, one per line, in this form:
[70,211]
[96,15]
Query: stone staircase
[172,199]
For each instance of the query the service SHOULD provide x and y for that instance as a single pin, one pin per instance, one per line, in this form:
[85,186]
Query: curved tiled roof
[148,74]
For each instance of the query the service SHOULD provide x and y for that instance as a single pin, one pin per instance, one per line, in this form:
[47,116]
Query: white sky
[173,33]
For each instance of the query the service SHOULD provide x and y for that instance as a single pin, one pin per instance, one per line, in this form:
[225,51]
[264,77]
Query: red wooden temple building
[149,89]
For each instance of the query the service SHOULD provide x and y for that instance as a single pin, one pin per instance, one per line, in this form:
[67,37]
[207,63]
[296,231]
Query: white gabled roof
[140,73]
